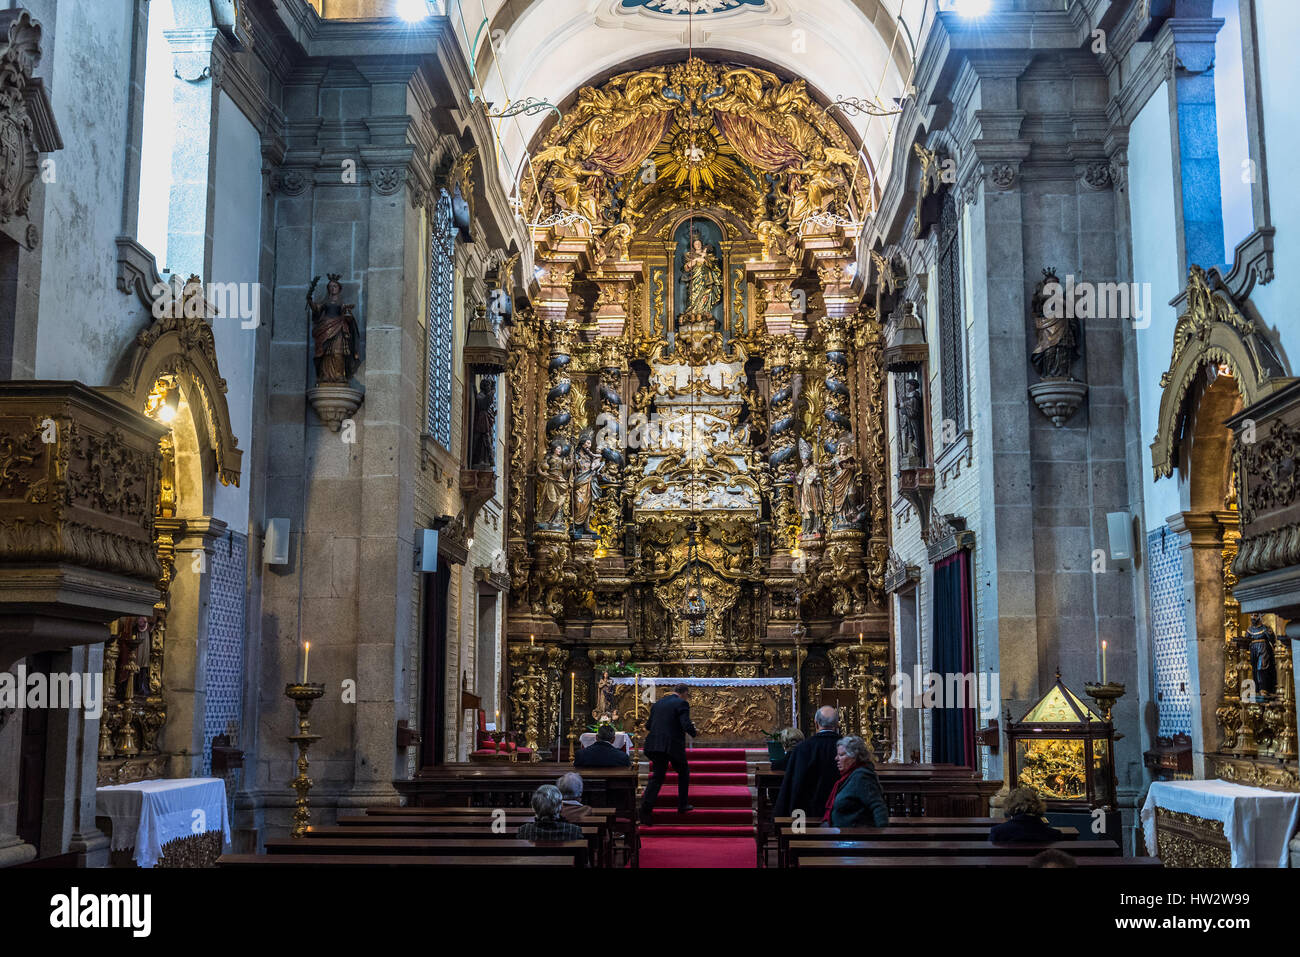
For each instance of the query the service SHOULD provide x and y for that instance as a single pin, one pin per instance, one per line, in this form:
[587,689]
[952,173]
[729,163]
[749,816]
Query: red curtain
[624,151]
[953,654]
[758,145]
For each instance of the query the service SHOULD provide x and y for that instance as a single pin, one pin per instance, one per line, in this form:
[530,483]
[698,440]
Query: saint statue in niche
[1259,640]
[702,276]
[811,500]
[334,329]
[846,510]
[605,709]
[1057,345]
[485,418]
[587,464]
[911,414]
[553,490]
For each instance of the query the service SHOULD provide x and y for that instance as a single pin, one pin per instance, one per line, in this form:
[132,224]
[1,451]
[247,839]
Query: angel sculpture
[820,181]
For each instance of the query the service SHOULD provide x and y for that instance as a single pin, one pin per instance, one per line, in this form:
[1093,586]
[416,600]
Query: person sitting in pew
[784,742]
[1025,823]
[601,753]
[547,825]
[856,800]
[1053,858]
[572,810]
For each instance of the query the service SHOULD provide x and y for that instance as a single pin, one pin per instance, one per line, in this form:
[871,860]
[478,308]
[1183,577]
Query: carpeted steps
[710,779]
[705,796]
[720,831]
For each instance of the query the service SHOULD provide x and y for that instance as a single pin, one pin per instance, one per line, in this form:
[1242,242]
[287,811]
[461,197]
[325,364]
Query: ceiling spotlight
[972,8]
[413,11]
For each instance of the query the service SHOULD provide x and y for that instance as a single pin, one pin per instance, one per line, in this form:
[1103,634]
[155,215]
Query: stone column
[186,646]
[998,382]
[1201,539]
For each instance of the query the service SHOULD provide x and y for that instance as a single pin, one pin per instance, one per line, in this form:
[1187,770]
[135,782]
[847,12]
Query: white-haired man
[572,809]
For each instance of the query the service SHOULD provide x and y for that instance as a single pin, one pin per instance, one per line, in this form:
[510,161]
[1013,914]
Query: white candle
[1103,662]
[305,655]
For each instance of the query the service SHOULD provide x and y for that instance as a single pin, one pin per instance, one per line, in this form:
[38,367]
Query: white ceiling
[549,48]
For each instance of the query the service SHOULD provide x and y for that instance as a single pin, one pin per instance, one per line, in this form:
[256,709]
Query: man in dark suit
[601,753]
[810,771]
[667,725]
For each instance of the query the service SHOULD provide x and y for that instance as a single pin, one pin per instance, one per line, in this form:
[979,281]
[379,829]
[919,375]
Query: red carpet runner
[720,831]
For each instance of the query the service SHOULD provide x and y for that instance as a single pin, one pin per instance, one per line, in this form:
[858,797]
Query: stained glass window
[440,329]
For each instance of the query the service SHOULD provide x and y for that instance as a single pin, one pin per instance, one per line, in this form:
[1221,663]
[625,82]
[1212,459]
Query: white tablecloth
[621,740]
[148,814]
[1257,822]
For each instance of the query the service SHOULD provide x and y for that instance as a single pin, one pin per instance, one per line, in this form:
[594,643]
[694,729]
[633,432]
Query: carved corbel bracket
[916,487]
[477,486]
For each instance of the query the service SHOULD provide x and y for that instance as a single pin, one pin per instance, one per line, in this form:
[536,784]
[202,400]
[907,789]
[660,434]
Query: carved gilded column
[521,442]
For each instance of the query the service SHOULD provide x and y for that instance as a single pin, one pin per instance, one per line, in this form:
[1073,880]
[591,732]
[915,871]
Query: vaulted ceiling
[548,49]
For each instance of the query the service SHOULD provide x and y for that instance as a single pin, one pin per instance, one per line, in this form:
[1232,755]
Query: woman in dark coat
[857,799]
[1025,823]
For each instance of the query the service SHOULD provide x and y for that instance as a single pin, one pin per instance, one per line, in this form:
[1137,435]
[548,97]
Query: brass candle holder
[303,695]
[573,739]
[1105,695]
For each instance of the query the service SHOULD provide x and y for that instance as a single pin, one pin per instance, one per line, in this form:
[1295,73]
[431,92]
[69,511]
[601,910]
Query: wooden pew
[972,861]
[469,812]
[911,791]
[509,785]
[802,850]
[603,818]
[786,833]
[486,847]
[985,822]
[392,860]
[595,836]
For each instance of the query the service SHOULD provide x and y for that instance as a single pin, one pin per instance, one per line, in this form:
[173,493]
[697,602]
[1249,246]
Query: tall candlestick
[1103,662]
[573,700]
[305,655]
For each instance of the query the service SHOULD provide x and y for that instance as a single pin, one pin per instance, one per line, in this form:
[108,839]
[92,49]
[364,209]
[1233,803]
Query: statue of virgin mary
[702,276]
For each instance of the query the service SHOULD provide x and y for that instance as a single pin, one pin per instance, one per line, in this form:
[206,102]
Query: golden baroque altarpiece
[697,459]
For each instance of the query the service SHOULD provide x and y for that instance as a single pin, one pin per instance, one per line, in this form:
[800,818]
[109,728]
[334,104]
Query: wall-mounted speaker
[1119,526]
[275,548]
[427,550]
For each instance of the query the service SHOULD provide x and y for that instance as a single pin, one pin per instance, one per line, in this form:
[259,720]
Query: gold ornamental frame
[1213,329]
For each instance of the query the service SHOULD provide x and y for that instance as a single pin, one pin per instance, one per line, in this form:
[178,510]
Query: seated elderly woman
[857,800]
[780,746]
[547,825]
[1025,823]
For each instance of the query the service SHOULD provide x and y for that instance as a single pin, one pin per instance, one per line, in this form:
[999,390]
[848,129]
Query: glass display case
[1063,750]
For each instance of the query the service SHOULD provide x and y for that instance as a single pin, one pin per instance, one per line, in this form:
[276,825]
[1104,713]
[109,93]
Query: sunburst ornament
[695,157]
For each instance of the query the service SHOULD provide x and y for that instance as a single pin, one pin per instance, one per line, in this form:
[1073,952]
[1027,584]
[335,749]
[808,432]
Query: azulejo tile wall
[1168,632]
[223,679]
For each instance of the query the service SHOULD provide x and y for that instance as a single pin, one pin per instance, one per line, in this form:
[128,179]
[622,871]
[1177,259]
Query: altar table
[149,814]
[622,740]
[1256,823]
[730,711]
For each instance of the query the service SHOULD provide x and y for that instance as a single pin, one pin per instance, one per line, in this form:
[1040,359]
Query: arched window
[440,330]
[952,358]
